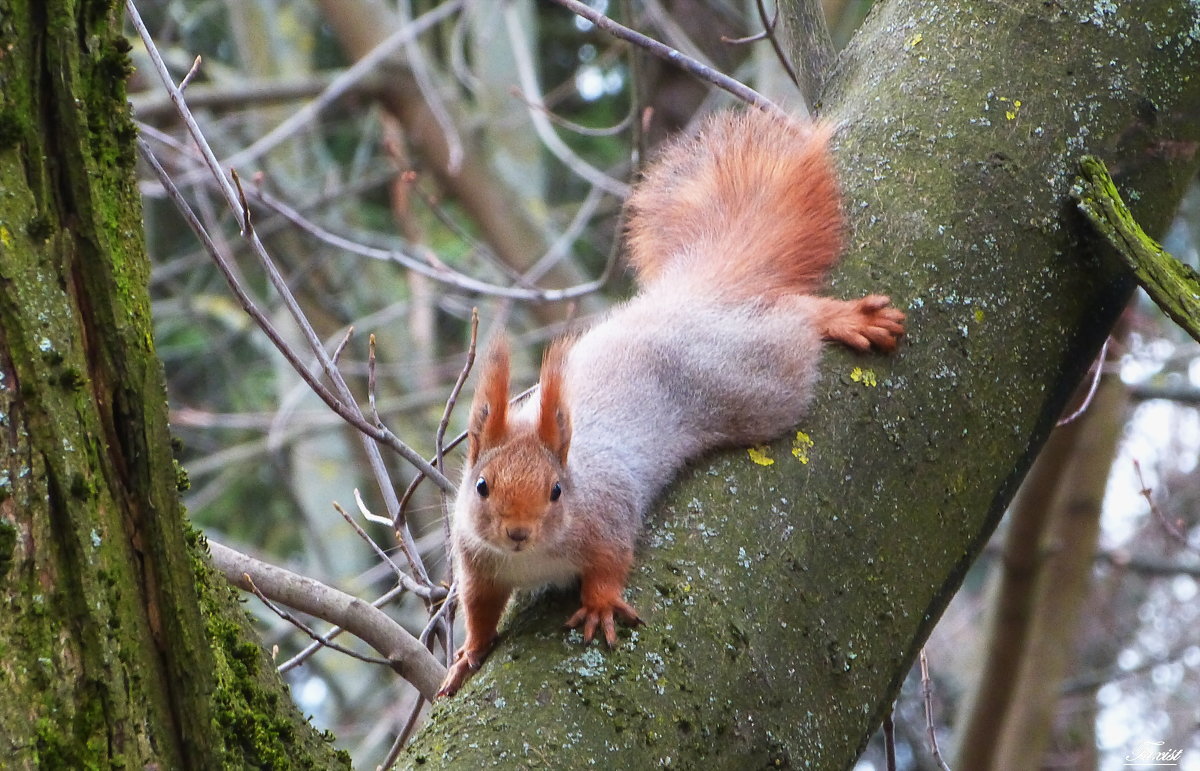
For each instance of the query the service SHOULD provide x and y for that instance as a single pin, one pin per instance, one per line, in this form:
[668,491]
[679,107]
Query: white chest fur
[530,569]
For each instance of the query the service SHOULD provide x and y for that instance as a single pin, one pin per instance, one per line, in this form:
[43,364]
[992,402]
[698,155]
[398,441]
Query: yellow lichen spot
[979,314]
[801,445]
[914,41]
[759,455]
[5,237]
[864,376]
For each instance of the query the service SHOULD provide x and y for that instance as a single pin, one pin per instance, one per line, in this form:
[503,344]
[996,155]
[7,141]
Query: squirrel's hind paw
[861,324]
[602,615]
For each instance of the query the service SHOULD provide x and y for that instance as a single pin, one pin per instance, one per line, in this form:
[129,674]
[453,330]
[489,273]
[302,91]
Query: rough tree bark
[786,603]
[119,648]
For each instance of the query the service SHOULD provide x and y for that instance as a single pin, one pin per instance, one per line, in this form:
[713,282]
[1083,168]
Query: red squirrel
[730,231]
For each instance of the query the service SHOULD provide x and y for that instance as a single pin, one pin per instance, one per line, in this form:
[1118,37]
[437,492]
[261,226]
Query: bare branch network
[416,658]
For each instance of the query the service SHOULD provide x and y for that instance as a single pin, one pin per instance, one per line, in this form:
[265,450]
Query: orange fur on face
[518,460]
[519,481]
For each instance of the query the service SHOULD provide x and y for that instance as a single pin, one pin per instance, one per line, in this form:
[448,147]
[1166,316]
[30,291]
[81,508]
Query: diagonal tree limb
[805,32]
[409,658]
[1174,286]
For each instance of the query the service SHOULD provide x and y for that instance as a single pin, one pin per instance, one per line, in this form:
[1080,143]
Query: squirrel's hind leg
[859,324]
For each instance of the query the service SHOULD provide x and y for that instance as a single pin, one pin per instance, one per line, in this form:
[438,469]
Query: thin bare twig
[438,271]
[430,92]
[458,48]
[525,73]
[668,54]
[769,30]
[739,41]
[889,741]
[1172,528]
[1097,370]
[440,436]
[333,632]
[927,694]
[672,32]
[367,515]
[337,352]
[404,579]
[571,125]
[402,738]
[183,84]
[434,622]
[442,621]
[562,245]
[371,380]
[303,627]
[444,612]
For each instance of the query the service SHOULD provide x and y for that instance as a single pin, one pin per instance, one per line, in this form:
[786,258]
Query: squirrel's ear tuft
[554,419]
[489,410]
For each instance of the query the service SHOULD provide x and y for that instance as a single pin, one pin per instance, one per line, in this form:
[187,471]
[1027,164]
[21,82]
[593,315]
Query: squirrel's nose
[518,534]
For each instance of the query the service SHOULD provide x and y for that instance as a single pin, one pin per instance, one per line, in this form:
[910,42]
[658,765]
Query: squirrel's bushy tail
[749,206]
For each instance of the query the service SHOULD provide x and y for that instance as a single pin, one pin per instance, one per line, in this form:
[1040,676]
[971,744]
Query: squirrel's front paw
[466,662]
[601,614]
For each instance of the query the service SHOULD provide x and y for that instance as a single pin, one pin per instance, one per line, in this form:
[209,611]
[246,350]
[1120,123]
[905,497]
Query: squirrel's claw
[603,616]
[455,676]
[466,663]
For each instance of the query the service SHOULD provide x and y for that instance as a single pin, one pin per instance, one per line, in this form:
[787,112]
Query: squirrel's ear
[489,409]
[554,419]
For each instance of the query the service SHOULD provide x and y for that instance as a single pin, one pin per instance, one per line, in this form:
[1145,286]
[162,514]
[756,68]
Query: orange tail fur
[749,206]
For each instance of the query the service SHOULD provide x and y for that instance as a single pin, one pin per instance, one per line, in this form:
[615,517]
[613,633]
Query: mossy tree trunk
[785,603]
[118,649]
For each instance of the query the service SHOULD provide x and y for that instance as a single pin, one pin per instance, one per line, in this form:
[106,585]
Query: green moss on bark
[259,727]
[1173,285]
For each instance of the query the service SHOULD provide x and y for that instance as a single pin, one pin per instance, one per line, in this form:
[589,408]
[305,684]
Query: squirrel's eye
[555,492]
[481,487]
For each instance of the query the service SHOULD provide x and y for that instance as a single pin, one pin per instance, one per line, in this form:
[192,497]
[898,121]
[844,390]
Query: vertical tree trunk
[1010,722]
[117,648]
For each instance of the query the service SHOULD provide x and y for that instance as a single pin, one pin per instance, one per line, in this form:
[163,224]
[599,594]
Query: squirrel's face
[517,495]
[514,493]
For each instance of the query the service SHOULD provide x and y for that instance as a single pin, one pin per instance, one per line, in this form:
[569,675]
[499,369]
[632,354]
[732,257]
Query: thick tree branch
[409,658]
[806,34]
